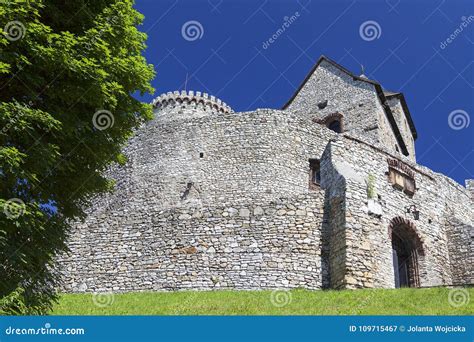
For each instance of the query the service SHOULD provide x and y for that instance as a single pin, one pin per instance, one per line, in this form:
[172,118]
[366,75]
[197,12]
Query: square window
[402,181]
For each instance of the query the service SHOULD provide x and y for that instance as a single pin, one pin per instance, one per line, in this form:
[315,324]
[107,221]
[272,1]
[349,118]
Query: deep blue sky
[229,60]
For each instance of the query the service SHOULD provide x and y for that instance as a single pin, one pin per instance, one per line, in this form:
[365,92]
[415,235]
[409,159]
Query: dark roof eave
[391,119]
[408,116]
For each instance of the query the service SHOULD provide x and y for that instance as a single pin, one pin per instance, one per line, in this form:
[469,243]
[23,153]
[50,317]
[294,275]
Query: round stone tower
[198,152]
[208,199]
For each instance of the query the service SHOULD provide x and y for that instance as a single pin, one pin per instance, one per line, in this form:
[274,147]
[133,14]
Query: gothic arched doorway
[406,251]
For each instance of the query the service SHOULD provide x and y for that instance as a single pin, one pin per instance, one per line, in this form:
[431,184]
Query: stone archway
[407,250]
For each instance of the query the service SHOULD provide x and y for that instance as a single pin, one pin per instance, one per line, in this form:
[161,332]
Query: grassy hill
[434,301]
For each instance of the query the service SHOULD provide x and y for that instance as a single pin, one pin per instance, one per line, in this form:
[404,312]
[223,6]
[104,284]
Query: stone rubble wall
[273,245]
[368,243]
[335,234]
[156,231]
[461,247]
[357,101]
[254,155]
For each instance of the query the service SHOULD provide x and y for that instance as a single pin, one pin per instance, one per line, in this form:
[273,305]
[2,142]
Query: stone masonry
[212,199]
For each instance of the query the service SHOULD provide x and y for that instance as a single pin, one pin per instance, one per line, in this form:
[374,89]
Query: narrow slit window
[314,174]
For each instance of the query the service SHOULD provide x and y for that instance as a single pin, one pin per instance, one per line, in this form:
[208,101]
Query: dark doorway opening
[400,263]
[405,262]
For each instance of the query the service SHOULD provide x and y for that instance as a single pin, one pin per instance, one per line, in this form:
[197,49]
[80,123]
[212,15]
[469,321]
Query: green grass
[434,301]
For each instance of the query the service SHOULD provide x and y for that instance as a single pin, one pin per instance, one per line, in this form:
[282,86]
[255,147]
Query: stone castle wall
[358,102]
[222,158]
[447,246]
[219,200]
[212,199]
[272,245]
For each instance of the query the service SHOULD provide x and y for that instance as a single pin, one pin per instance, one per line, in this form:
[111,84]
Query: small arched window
[335,125]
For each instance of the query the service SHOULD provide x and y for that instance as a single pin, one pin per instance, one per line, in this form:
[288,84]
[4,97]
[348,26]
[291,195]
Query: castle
[324,193]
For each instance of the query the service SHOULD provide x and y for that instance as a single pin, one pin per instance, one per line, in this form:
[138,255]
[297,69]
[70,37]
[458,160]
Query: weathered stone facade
[213,199]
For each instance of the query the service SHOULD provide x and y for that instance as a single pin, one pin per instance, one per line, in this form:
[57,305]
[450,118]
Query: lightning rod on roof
[186,83]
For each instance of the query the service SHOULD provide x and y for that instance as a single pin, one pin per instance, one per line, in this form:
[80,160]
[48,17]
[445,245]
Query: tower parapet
[190,101]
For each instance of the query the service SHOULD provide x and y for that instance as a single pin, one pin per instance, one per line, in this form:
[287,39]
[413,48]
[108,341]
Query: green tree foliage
[68,70]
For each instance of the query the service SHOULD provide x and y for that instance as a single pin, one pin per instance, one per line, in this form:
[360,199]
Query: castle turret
[188,104]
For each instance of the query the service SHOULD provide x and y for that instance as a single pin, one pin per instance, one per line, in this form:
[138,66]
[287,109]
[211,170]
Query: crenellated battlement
[191,98]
